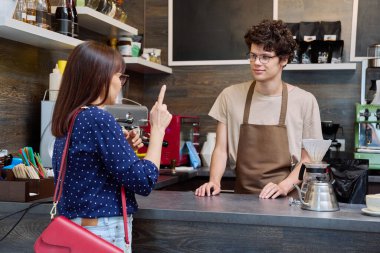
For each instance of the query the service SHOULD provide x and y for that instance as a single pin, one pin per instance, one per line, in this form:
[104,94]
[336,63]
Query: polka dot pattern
[100,160]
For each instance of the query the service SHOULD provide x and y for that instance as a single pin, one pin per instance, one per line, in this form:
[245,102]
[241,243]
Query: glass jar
[124,45]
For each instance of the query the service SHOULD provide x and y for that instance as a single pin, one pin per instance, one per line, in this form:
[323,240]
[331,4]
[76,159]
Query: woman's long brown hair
[88,74]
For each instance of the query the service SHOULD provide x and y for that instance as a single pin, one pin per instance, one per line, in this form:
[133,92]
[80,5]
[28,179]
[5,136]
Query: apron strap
[284,103]
[248,101]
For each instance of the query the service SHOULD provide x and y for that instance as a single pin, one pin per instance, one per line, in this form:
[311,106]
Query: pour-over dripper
[316,148]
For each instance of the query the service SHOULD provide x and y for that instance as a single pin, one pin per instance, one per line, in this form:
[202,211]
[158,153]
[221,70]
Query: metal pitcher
[320,196]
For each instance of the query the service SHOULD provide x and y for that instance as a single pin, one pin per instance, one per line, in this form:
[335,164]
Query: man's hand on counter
[208,189]
[272,190]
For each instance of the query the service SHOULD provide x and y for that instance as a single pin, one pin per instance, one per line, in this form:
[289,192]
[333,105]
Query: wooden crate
[26,190]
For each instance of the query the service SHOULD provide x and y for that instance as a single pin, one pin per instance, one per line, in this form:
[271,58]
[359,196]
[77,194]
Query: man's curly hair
[274,36]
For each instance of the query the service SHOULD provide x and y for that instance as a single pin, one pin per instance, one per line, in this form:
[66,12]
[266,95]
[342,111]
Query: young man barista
[261,124]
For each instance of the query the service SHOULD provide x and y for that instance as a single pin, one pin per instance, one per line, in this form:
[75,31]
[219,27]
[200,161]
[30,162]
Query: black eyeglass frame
[123,79]
[264,59]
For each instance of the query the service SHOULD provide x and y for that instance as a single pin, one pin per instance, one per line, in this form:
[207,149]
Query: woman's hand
[159,115]
[133,138]
[159,119]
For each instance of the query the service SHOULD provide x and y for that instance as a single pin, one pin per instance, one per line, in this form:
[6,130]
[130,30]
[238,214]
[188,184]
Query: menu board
[213,30]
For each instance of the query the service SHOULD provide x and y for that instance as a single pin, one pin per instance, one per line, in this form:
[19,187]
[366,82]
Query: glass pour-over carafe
[316,169]
[316,172]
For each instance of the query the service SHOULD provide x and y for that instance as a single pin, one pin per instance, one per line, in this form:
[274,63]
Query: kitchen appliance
[180,130]
[47,139]
[128,116]
[329,132]
[316,192]
[367,134]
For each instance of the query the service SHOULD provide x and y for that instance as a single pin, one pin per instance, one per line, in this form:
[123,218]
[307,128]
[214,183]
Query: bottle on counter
[63,19]
[113,43]
[42,14]
[120,14]
[124,15]
[93,4]
[31,12]
[112,10]
[104,6]
[80,3]
[20,12]
[74,18]
[54,83]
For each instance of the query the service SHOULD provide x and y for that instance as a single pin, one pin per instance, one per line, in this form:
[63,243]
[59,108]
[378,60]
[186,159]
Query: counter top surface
[235,209]
[249,209]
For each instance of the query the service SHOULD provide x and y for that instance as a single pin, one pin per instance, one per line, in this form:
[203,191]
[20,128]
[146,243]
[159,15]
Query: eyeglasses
[123,79]
[264,59]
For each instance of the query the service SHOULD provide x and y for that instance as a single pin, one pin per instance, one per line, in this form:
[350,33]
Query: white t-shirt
[302,117]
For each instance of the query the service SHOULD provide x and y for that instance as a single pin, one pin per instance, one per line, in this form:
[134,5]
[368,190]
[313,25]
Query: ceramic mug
[373,202]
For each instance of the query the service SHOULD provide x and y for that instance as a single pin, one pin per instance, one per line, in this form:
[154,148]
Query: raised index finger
[161,95]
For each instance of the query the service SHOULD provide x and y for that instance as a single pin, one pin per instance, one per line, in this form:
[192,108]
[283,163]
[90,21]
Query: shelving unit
[29,34]
[32,35]
[328,66]
[140,65]
[36,36]
[103,24]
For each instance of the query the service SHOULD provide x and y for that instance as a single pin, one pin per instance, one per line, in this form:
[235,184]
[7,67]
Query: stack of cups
[207,149]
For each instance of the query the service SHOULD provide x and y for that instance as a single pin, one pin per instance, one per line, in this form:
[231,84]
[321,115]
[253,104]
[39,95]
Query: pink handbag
[63,235]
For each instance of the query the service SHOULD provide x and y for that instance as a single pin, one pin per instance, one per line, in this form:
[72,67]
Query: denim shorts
[112,230]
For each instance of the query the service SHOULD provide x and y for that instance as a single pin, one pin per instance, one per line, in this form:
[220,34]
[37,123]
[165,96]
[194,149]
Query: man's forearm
[218,166]
[288,182]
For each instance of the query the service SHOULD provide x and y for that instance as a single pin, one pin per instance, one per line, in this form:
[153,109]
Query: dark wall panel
[24,72]
[193,90]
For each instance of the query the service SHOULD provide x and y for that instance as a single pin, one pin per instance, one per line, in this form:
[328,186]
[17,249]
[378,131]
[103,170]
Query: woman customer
[101,157]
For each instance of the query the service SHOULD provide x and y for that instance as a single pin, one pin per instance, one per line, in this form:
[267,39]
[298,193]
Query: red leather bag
[62,235]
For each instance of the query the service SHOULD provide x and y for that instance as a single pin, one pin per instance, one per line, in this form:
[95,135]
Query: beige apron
[263,152]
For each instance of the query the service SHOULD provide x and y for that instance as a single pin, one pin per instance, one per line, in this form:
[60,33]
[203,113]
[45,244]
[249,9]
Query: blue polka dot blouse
[100,160]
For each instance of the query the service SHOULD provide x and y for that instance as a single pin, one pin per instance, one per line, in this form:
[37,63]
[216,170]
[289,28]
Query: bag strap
[62,173]
[125,217]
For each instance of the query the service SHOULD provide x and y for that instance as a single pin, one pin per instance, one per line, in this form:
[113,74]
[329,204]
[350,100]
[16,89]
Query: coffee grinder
[329,132]
[316,192]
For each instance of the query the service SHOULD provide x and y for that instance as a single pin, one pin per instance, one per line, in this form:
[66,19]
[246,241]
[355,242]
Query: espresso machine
[128,116]
[316,192]
[367,134]
[180,130]
[131,117]
[367,123]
